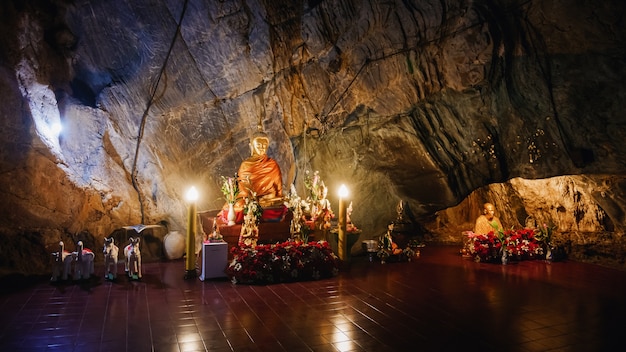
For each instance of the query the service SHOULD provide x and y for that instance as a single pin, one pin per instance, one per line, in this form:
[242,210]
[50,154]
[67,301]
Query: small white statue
[133,258]
[61,263]
[349,225]
[83,263]
[111,252]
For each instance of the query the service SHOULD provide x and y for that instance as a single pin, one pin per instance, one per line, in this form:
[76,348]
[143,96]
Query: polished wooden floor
[438,302]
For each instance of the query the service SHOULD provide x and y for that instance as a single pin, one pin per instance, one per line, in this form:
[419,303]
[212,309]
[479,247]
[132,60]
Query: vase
[231,214]
[174,245]
[549,255]
[505,258]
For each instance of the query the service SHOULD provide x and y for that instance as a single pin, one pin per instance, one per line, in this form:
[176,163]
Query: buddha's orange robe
[261,174]
[483,226]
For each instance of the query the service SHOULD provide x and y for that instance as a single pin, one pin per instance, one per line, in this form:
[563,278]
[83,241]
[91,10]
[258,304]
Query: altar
[271,230]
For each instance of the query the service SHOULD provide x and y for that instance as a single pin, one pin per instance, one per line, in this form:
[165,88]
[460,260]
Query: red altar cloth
[273,214]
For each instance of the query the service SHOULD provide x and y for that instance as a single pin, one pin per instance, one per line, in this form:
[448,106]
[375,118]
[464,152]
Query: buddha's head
[489,210]
[259,144]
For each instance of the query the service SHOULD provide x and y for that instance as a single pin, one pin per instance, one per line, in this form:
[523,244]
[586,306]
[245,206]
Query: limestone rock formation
[443,104]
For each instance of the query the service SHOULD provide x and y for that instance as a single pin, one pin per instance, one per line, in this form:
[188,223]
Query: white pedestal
[214,260]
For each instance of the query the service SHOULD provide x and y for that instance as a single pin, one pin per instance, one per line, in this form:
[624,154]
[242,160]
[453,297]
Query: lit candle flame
[343,191]
[192,194]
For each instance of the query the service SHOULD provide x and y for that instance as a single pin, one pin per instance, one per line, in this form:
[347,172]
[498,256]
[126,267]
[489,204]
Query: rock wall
[424,101]
[587,212]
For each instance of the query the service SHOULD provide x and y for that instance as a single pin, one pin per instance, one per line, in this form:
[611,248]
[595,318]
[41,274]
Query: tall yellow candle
[342,244]
[190,260]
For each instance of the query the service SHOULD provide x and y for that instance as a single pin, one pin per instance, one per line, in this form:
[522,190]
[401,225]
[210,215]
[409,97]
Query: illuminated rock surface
[425,101]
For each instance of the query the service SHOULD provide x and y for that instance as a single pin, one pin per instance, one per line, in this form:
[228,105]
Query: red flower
[287,261]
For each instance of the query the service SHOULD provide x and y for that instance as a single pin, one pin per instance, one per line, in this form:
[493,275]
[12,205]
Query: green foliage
[544,233]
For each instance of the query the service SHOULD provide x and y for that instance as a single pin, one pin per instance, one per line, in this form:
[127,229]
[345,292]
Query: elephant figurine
[83,262]
[61,263]
[133,259]
[111,252]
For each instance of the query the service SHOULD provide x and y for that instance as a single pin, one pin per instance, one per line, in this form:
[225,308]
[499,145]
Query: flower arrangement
[544,233]
[316,202]
[521,244]
[282,262]
[483,247]
[314,185]
[230,189]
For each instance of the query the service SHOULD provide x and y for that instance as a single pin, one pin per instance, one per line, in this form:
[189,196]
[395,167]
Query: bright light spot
[56,129]
[343,191]
[192,194]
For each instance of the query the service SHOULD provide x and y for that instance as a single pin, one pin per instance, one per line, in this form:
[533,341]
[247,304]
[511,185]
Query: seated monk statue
[260,175]
[488,221]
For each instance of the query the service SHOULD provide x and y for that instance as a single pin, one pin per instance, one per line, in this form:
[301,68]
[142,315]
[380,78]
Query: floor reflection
[440,301]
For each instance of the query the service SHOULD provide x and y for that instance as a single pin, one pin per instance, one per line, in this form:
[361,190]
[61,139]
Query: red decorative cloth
[273,214]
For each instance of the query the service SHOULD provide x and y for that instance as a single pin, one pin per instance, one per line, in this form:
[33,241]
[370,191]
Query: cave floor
[438,302]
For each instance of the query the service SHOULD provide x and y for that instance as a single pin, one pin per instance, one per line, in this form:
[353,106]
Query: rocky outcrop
[425,101]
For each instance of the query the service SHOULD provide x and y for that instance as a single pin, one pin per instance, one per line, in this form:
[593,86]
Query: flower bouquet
[491,247]
[314,186]
[521,244]
[282,262]
[230,189]
[484,247]
[544,235]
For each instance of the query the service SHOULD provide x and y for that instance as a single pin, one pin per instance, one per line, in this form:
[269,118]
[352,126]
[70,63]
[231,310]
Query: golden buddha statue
[259,175]
[488,221]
